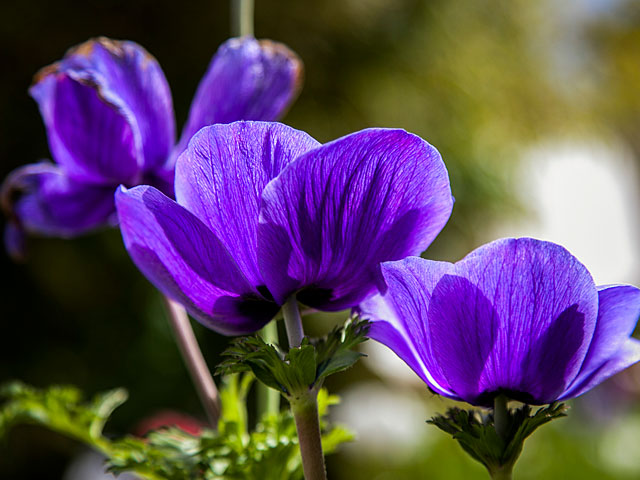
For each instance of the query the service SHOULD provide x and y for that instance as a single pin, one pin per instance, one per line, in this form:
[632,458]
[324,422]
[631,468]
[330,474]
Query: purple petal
[518,317]
[91,139]
[185,261]
[220,177]
[611,349]
[42,199]
[247,79]
[399,316]
[334,214]
[108,112]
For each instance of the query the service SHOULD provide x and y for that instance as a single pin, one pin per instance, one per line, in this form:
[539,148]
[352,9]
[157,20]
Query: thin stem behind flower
[242,17]
[193,359]
[304,405]
[501,424]
[293,322]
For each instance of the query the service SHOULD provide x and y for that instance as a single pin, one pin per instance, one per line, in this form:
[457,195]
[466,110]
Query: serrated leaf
[301,369]
[269,452]
[477,435]
[59,408]
[302,363]
[334,352]
[252,353]
[338,362]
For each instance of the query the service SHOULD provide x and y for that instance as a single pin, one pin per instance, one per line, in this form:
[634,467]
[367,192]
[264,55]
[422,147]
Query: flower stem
[241,17]
[501,416]
[268,398]
[193,359]
[305,405]
[305,413]
[293,322]
[504,473]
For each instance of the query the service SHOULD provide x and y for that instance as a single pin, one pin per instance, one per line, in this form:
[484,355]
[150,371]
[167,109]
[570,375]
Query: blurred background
[535,107]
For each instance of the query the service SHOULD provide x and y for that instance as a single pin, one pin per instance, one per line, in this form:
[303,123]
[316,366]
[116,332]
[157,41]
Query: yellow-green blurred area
[535,107]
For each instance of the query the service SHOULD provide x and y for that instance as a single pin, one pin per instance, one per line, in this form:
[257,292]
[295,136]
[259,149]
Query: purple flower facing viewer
[519,317]
[109,118]
[263,212]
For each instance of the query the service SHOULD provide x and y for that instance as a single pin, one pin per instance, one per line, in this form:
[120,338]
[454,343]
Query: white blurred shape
[387,422]
[90,465]
[619,447]
[382,361]
[585,197]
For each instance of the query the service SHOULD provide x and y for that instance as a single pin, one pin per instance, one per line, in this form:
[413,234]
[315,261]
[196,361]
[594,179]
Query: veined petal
[247,79]
[40,198]
[221,175]
[133,75]
[108,110]
[611,348]
[627,355]
[399,316]
[332,216]
[186,261]
[526,305]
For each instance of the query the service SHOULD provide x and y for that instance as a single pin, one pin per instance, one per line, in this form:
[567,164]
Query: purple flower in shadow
[263,212]
[519,317]
[109,118]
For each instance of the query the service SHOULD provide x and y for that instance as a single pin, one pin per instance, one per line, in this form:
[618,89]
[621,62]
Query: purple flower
[264,212]
[109,118]
[519,317]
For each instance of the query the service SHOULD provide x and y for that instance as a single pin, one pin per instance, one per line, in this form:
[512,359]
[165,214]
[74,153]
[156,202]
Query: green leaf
[335,351]
[338,434]
[233,402]
[477,435]
[233,452]
[59,408]
[253,354]
[300,369]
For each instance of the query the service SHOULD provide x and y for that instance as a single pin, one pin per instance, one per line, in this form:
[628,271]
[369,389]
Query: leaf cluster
[302,368]
[270,451]
[59,408]
[477,435]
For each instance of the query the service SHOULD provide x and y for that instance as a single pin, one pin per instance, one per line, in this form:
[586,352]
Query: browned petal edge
[89,82]
[45,72]
[117,48]
[280,49]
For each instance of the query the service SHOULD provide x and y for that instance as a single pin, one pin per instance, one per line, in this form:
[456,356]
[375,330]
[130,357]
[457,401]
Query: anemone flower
[517,317]
[264,212]
[109,118]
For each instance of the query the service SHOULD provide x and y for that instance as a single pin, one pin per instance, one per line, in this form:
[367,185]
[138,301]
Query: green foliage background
[480,80]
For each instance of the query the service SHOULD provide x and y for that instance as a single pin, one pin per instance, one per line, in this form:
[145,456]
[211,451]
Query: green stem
[305,405]
[193,359]
[501,416]
[293,322]
[305,413]
[242,18]
[268,398]
[504,473]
